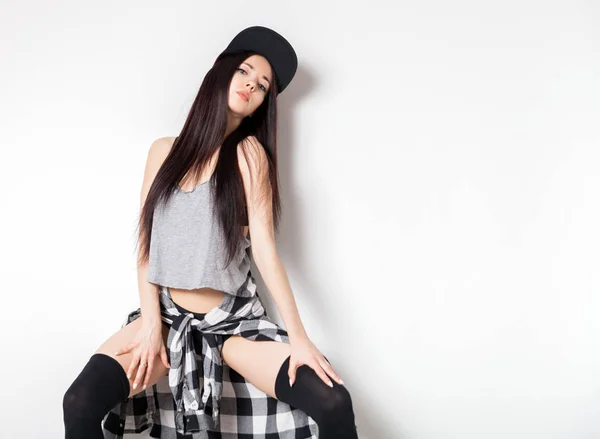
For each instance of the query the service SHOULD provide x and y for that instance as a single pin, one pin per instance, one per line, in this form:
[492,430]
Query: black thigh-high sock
[330,407]
[99,387]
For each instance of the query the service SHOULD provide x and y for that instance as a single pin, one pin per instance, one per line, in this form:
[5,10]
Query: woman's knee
[76,401]
[337,415]
[78,409]
[338,404]
[323,403]
[330,407]
[99,386]
[70,400]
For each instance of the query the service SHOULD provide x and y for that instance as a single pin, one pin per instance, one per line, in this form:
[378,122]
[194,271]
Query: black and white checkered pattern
[202,397]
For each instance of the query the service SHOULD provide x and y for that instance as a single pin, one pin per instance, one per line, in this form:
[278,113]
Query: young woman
[227,370]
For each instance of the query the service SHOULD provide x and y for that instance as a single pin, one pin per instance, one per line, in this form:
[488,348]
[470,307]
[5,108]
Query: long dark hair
[202,134]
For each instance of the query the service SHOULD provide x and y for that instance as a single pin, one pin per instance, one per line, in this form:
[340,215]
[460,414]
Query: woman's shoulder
[159,150]
[157,153]
[161,146]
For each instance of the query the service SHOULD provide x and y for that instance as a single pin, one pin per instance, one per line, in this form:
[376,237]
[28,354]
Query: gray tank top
[187,246]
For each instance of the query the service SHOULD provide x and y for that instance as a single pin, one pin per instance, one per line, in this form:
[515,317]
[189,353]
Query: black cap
[268,43]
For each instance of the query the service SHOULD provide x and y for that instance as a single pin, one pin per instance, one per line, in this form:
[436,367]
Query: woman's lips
[243,96]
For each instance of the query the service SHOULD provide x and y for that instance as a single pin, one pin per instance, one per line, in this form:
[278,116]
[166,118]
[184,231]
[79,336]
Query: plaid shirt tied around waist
[219,404]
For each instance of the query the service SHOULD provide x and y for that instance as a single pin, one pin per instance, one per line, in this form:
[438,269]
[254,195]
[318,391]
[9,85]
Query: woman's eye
[263,88]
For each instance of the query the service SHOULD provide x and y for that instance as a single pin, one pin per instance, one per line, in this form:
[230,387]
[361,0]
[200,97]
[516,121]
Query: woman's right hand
[147,344]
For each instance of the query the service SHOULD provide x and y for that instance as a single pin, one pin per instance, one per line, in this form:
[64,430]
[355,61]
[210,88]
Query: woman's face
[252,78]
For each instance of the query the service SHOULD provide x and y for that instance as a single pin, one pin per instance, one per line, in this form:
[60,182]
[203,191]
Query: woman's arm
[257,187]
[275,277]
[149,303]
[258,192]
[148,341]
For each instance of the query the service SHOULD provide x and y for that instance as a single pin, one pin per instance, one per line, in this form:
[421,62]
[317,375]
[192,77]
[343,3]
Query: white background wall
[439,169]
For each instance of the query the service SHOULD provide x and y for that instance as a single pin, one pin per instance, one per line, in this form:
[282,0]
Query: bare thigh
[122,338]
[257,361]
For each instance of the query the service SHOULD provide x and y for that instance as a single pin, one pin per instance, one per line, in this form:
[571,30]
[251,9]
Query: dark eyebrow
[253,69]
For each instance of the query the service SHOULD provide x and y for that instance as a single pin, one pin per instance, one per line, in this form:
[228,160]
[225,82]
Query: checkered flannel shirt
[221,404]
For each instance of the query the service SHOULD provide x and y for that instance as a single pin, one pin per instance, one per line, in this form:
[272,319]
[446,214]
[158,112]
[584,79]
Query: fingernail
[330,384]
[341,381]
[144,387]
[128,376]
[134,385]
[290,382]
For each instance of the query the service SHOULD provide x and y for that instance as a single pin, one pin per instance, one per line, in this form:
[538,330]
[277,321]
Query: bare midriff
[198,300]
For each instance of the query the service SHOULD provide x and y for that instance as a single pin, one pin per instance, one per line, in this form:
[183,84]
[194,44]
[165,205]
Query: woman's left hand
[303,351]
